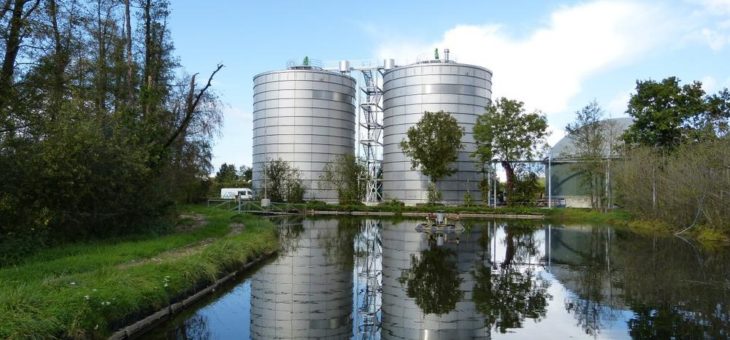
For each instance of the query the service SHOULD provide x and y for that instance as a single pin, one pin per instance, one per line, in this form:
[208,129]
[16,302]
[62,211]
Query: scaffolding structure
[371,129]
[370,122]
[368,285]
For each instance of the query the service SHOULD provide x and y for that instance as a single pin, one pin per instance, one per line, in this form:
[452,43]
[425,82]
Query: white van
[242,193]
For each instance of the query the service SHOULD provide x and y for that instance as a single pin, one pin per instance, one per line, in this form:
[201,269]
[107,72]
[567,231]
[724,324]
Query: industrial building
[462,90]
[566,182]
[307,116]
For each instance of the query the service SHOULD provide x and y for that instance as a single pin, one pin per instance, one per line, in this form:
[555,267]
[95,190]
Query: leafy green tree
[282,182]
[507,133]
[433,144]
[96,140]
[667,114]
[346,175]
[527,187]
[226,173]
[659,110]
[245,173]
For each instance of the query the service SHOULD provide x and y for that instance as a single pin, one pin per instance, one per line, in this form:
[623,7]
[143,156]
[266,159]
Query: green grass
[88,289]
[572,215]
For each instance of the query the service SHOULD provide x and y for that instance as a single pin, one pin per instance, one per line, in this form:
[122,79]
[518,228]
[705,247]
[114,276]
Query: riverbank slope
[88,290]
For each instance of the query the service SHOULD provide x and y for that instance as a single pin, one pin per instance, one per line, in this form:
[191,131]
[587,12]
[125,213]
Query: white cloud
[616,107]
[713,20]
[709,84]
[715,6]
[715,39]
[547,67]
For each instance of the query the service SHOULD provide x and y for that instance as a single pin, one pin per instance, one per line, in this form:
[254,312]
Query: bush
[689,186]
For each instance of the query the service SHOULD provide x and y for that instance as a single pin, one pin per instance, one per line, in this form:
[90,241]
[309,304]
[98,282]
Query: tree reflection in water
[433,280]
[675,290]
[288,230]
[593,302]
[508,295]
[195,327]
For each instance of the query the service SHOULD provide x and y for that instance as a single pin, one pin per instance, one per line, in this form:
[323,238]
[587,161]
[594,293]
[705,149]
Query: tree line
[672,164]
[99,135]
[676,160]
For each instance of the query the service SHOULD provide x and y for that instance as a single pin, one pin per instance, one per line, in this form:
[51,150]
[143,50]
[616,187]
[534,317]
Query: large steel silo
[305,116]
[459,89]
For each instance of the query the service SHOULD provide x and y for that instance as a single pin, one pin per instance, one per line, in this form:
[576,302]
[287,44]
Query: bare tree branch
[191,105]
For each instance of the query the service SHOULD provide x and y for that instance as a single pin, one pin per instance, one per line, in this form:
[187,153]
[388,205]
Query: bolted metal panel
[305,116]
[459,89]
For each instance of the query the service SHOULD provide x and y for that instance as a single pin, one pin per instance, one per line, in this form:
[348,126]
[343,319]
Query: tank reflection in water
[427,288]
[304,292]
[370,279]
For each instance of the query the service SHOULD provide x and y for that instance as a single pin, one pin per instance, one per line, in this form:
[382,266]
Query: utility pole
[549,178]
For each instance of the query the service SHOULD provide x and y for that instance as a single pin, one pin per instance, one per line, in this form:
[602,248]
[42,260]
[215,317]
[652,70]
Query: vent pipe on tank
[446,55]
[344,66]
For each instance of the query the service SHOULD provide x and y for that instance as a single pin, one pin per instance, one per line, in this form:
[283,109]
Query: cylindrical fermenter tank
[305,116]
[459,89]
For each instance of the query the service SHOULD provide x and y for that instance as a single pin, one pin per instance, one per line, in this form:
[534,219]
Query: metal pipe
[549,179]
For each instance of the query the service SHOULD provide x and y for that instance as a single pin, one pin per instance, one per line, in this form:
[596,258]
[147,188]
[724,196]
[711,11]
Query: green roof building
[566,181]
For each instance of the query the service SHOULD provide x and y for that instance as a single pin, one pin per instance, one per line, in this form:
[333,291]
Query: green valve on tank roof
[306,61]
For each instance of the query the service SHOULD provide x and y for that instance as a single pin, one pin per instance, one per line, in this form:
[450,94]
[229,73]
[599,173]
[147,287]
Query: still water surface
[371,279]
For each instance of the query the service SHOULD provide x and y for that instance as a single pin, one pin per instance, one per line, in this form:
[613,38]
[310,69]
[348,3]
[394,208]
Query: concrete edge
[423,214]
[145,324]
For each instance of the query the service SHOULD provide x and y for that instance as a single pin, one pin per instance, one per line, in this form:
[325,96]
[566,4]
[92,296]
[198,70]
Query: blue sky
[556,56]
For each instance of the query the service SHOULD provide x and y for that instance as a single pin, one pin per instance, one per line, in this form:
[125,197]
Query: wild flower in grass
[166,281]
[87,297]
[73,283]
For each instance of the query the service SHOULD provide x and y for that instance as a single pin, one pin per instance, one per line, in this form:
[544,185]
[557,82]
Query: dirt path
[189,222]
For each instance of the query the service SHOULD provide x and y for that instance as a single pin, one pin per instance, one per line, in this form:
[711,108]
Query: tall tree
[663,112]
[509,134]
[15,32]
[226,173]
[245,173]
[79,156]
[592,139]
[433,144]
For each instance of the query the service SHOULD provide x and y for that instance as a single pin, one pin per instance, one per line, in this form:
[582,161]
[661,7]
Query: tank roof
[311,69]
[439,62]
[565,148]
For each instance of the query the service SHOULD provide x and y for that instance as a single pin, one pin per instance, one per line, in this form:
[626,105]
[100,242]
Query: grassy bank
[573,215]
[88,290]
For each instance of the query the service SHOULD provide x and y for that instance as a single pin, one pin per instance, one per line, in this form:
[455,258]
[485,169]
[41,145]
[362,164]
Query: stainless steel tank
[305,116]
[459,89]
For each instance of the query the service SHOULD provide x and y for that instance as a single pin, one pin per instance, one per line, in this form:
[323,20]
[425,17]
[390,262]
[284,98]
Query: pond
[371,279]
